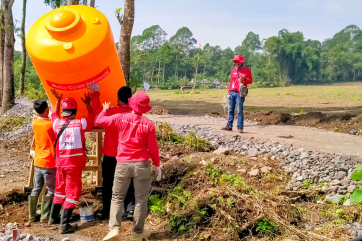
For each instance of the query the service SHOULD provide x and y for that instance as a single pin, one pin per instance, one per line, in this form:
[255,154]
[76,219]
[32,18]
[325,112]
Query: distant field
[288,99]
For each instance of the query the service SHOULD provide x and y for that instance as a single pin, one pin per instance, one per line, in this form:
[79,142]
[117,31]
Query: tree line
[282,60]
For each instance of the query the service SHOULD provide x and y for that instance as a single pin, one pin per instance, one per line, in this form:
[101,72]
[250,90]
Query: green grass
[294,96]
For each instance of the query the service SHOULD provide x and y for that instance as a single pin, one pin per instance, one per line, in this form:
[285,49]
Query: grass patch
[166,136]
[11,123]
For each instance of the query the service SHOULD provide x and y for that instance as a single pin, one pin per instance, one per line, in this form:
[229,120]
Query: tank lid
[62,19]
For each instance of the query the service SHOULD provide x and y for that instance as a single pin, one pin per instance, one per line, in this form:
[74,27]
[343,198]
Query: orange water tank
[72,46]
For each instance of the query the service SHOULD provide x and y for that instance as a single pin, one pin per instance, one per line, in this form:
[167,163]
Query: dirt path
[300,137]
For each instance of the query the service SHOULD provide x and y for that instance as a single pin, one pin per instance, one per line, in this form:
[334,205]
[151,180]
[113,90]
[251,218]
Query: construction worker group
[130,144]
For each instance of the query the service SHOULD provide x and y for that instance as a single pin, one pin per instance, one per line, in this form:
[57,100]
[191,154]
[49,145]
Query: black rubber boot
[65,226]
[54,214]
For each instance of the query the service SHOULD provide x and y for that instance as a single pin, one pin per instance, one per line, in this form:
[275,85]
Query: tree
[2,47]
[23,57]
[124,49]
[55,3]
[178,50]
[92,3]
[8,62]
[72,2]
[153,37]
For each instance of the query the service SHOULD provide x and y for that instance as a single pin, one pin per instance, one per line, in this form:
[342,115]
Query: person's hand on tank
[106,105]
[56,95]
[93,87]
[87,98]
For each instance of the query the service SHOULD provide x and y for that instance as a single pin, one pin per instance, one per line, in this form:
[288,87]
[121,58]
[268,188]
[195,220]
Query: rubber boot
[33,203]
[65,226]
[46,205]
[54,214]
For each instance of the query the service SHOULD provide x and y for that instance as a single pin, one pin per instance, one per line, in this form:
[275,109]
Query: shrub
[266,226]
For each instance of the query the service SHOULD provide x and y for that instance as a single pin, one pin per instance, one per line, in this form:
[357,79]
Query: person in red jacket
[109,162]
[137,144]
[70,158]
[240,75]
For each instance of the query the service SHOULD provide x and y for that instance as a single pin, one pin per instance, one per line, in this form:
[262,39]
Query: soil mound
[158,110]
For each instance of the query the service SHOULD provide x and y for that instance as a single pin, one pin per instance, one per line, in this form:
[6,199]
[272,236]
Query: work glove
[93,87]
[158,174]
[32,153]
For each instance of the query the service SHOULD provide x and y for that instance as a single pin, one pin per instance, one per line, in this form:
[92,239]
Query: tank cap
[62,19]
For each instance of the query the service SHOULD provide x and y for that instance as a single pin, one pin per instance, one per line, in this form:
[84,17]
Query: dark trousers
[108,169]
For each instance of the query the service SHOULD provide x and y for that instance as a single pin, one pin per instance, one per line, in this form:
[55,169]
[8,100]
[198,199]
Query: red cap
[140,103]
[239,58]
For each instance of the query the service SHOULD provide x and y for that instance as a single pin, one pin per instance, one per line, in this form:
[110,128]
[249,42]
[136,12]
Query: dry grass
[215,202]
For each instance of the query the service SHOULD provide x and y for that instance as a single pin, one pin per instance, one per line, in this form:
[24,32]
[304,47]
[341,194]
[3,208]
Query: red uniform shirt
[236,75]
[70,149]
[111,134]
[137,139]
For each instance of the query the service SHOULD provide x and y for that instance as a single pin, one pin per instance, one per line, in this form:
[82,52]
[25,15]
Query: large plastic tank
[72,46]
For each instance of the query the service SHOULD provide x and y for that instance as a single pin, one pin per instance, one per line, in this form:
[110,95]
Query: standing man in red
[137,144]
[70,158]
[109,150]
[240,76]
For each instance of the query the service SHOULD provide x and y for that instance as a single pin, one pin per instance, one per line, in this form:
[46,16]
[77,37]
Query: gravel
[22,108]
[301,164]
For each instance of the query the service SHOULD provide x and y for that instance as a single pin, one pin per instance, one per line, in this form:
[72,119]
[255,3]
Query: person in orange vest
[44,163]
[70,157]
[109,150]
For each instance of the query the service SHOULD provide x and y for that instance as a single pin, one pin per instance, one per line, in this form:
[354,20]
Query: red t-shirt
[137,139]
[236,75]
[111,134]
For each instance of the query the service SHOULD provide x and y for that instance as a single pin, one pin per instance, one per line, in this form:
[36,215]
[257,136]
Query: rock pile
[7,235]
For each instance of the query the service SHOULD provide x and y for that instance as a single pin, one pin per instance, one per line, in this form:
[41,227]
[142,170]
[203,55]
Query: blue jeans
[236,100]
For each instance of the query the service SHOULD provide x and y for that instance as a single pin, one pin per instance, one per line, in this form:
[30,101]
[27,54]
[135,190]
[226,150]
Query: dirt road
[300,137]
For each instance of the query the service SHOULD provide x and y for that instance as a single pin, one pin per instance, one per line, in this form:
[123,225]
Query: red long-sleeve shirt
[137,139]
[236,74]
[111,134]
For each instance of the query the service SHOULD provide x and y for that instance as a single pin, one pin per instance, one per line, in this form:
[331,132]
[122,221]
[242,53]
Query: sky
[223,22]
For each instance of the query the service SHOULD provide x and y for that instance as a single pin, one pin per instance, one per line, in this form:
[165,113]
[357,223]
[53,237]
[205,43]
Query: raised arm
[56,108]
[91,117]
[103,119]
[96,102]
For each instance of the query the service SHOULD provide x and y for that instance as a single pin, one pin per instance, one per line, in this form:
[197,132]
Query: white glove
[93,87]
[158,173]
[32,153]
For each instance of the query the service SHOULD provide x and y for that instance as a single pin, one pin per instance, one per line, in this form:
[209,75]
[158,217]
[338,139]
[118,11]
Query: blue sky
[224,22]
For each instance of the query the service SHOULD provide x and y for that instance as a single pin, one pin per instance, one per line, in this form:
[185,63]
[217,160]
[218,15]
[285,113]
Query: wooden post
[99,180]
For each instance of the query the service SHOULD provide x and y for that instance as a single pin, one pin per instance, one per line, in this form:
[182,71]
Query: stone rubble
[22,108]
[7,236]
[331,169]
